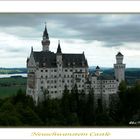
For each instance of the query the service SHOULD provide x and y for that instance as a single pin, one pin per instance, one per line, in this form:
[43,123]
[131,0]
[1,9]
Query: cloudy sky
[100,36]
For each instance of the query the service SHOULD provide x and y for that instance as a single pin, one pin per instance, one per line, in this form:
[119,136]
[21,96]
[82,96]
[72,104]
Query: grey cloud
[97,27]
[19,19]
[88,27]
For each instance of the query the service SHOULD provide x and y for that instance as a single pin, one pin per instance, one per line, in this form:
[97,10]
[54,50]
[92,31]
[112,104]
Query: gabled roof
[97,67]
[48,59]
[45,59]
[74,60]
[119,54]
[105,77]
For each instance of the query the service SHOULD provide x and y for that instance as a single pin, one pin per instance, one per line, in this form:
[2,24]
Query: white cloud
[14,50]
[95,53]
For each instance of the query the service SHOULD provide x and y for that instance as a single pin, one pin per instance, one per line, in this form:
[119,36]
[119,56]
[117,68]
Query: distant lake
[9,75]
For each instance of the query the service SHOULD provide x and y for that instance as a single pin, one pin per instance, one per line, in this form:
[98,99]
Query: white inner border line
[70,6]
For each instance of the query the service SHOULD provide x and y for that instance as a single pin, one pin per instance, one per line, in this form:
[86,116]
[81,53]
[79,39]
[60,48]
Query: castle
[51,72]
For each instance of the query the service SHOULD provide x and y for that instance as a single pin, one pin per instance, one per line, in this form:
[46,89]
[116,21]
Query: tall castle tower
[59,63]
[119,68]
[45,42]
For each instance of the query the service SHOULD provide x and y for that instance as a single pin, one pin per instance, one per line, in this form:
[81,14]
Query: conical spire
[45,42]
[97,72]
[119,54]
[45,33]
[59,48]
[97,68]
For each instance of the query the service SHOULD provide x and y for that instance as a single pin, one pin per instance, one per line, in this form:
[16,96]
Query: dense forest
[74,109]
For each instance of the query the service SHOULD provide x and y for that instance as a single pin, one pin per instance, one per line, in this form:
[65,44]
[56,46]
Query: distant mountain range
[13,70]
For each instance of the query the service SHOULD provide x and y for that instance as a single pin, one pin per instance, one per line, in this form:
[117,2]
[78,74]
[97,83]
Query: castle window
[55,91]
[70,70]
[54,81]
[41,70]
[41,87]
[64,76]
[48,81]
[48,86]
[71,76]
[46,76]
[54,70]
[80,70]
[46,70]
[41,82]
[59,75]
[54,86]
[41,76]
[68,76]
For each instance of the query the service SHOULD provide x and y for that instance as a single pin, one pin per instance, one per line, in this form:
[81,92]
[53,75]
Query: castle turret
[45,42]
[119,68]
[59,69]
[59,56]
[97,72]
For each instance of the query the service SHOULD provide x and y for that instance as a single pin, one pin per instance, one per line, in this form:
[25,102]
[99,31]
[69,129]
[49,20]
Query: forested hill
[12,70]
